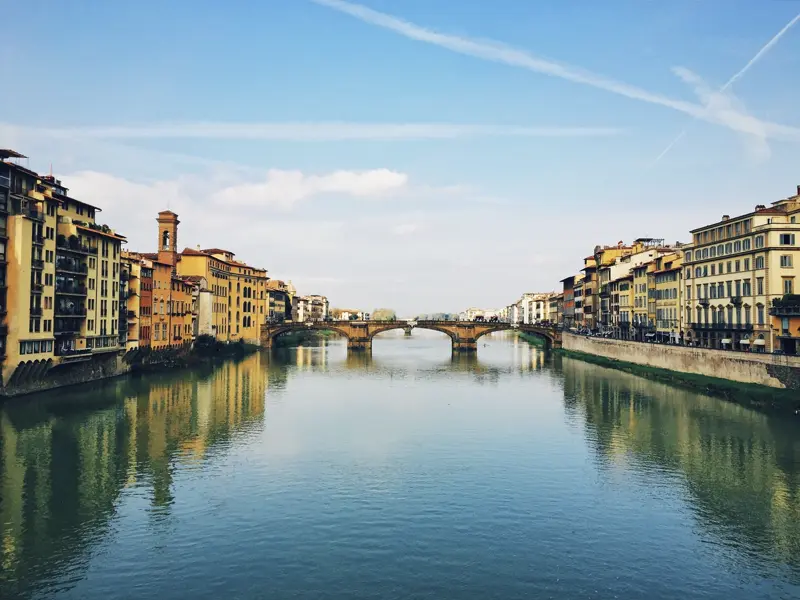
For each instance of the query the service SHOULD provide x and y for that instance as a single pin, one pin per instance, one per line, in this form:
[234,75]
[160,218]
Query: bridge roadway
[359,334]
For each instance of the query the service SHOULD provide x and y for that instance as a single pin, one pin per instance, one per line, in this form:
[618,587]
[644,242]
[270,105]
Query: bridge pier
[407,330]
[359,345]
[465,346]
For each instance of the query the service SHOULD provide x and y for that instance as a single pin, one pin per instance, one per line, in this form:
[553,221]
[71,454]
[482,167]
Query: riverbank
[760,397]
[534,340]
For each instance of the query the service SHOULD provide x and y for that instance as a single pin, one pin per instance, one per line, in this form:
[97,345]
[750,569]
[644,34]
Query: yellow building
[734,270]
[62,274]
[643,322]
[667,297]
[131,265]
[239,291]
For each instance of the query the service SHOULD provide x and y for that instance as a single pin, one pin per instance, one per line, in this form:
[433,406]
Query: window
[760,241]
[729,266]
[746,288]
[760,314]
[746,244]
[698,272]
[738,266]
[746,264]
[786,260]
[720,250]
[788,286]
[688,257]
[787,239]
[91,284]
[730,288]
[759,285]
[713,269]
[759,262]
[737,247]
[728,248]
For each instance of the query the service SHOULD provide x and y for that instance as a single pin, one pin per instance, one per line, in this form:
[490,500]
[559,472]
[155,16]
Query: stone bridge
[359,334]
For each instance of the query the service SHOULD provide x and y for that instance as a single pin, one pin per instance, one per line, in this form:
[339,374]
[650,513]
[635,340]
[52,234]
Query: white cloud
[760,145]
[285,188]
[405,229]
[317,132]
[497,52]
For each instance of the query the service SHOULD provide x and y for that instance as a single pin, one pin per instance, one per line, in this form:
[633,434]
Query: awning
[746,342]
[725,341]
[759,342]
[649,335]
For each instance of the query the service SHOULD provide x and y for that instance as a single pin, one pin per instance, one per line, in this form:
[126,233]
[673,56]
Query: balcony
[33,213]
[3,329]
[70,313]
[736,300]
[124,276]
[37,263]
[37,288]
[5,181]
[36,311]
[73,246]
[785,311]
[131,315]
[71,290]
[67,327]
[68,266]
[703,301]
[720,327]
[72,352]
[3,233]
[38,240]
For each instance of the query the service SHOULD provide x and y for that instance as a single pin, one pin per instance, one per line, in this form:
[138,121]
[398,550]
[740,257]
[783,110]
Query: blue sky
[422,154]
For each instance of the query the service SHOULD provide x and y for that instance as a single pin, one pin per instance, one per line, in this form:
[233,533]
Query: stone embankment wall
[770,370]
[48,376]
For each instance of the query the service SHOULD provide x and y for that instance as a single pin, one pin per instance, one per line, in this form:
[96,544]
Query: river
[309,473]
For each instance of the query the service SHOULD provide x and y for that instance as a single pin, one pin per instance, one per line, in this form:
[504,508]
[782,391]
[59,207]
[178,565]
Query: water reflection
[66,460]
[76,465]
[739,467]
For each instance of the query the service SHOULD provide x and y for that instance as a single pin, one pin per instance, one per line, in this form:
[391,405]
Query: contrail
[733,79]
[500,53]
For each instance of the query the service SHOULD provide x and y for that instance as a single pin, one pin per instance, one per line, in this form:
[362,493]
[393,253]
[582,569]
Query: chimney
[760,207]
[798,190]
[726,217]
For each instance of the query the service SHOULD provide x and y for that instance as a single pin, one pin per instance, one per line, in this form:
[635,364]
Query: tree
[383,314]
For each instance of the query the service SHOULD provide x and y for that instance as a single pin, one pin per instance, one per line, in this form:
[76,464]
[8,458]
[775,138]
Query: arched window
[713,252]
[737,247]
[698,272]
[759,262]
[728,248]
[720,250]
[165,240]
[746,244]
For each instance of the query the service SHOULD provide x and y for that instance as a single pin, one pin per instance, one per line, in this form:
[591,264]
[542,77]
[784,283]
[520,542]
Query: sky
[422,155]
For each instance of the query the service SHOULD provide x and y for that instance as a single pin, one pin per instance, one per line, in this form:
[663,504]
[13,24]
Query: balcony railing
[736,300]
[36,311]
[74,290]
[70,312]
[37,263]
[67,327]
[38,239]
[703,301]
[3,233]
[71,267]
[721,327]
[785,311]
[131,315]
[5,181]
[34,214]
[74,247]
[37,288]
[72,351]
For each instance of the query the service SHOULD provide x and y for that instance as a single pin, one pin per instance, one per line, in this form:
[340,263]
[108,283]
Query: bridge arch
[545,335]
[278,331]
[403,325]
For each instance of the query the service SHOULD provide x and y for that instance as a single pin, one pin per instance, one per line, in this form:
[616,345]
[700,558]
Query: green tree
[384,314]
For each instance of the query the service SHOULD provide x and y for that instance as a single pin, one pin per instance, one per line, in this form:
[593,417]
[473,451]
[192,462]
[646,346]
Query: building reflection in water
[67,456]
[740,467]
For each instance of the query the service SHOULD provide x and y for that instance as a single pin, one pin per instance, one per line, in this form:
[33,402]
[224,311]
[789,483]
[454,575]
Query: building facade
[734,270]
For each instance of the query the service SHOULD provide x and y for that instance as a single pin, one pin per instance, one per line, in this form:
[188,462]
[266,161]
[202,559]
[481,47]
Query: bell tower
[168,238]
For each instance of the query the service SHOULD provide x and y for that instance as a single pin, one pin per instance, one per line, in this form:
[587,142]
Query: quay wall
[770,370]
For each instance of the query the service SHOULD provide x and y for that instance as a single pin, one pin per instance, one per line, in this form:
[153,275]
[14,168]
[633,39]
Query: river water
[311,474]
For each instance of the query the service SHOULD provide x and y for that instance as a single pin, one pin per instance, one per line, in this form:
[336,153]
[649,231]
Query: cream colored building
[734,270]
[62,274]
